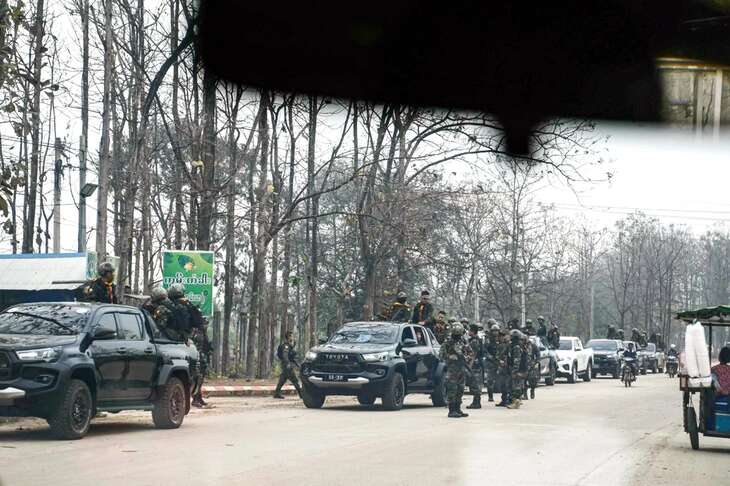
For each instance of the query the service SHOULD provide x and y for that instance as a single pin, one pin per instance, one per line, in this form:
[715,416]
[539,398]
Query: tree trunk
[104,162]
[207,200]
[312,295]
[39,31]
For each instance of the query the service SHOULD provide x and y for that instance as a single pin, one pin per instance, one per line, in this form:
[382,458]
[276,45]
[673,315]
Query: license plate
[334,378]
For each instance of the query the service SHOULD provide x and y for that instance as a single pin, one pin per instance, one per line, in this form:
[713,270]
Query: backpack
[280,352]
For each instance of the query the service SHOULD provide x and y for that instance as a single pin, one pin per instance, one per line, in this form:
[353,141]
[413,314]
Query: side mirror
[103,333]
[410,343]
[322,341]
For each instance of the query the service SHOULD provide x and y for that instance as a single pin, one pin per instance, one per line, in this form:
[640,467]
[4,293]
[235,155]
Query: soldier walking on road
[455,352]
[287,356]
[475,377]
[517,367]
[504,373]
[533,367]
[491,359]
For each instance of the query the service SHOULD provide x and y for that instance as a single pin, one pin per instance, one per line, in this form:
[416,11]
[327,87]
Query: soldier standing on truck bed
[287,356]
[162,310]
[102,289]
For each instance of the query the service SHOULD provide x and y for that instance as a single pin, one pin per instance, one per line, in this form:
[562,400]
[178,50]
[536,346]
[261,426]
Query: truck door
[581,355]
[410,355]
[141,355]
[110,361]
[426,357]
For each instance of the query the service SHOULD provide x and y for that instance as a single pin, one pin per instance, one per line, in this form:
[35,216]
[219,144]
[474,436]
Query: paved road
[594,434]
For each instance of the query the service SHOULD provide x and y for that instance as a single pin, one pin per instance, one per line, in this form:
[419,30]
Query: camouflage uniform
[553,337]
[287,356]
[518,370]
[533,367]
[491,351]
[455,352]
[441,332]
[163,314]
[475,385]
[504,374]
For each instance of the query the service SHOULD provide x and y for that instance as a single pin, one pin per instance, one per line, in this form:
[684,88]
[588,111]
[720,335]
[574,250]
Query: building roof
[59,271]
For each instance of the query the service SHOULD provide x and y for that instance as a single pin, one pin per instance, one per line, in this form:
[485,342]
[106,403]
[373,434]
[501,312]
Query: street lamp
[88,189]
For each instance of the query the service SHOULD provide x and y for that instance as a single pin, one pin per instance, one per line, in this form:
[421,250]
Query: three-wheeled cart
[693,390]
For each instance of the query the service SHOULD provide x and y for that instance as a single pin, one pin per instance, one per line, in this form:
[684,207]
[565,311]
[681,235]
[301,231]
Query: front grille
[6,369]
[337,363]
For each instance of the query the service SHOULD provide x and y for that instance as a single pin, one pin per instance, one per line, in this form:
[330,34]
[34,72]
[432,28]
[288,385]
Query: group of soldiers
[506,356]
[642,338]
[176,317]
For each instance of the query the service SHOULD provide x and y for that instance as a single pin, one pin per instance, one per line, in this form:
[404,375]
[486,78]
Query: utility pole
[522,302]
[84,139]
[57,172]
[591,322]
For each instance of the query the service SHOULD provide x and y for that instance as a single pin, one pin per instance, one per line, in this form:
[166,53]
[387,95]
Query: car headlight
[311,356]
[44,354]
[374,357]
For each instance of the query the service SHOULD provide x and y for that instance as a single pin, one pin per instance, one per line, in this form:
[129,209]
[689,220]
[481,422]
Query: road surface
[595,434]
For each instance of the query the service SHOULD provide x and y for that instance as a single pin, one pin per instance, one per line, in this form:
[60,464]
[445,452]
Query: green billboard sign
[193,269]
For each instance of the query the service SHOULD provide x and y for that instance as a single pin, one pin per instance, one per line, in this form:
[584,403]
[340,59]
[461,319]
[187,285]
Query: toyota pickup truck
[574,360]
[606,356]
[64,362]
[372,360]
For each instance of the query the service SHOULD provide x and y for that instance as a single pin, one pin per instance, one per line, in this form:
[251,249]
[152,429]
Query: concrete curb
[245,390]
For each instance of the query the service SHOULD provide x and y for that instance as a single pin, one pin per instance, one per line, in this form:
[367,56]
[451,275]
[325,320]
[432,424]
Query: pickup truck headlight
[310,356]
[44,354]
[375,357]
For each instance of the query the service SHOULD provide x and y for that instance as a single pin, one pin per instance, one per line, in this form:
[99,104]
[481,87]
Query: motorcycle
[628,373]
[672,366]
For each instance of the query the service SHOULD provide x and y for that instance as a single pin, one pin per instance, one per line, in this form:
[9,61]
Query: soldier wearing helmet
[102,289]
[399,310]
[162,310]
[456,353]
[476,367]
[518,368]
[529,328]
[491,361]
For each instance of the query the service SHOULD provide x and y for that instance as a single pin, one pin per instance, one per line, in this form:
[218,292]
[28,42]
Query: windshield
[603,345]
[43,319]
[365,335]
[566,345]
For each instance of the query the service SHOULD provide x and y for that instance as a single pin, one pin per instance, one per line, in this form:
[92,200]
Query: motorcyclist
[673,351]
[630,358]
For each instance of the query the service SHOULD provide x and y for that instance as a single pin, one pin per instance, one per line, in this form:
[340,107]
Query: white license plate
[334,378]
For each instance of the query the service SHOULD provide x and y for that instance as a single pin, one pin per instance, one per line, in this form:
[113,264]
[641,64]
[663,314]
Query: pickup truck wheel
[573,377]
[589,373]
[72,417]
[394,393]
[366,399]
[312,398]
[550,378]
[168,411]
[438,397]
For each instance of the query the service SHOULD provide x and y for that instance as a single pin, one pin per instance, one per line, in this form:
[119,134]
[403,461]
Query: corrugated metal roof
[42,271]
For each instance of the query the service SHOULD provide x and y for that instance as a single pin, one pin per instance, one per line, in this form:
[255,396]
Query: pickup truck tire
[588,373]
[394,393]
[573,376]
[643,371]
[168,411]
[438,397]
[550,379]
[71,419]
[366,399]
[312,398]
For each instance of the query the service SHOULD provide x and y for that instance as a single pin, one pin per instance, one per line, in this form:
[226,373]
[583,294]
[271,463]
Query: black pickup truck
[64,362]
[373,360]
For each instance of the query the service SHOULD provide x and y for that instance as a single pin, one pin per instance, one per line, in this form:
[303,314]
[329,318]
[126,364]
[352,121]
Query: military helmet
[457,330]
[402,295]
[464,320]
[158,294]
[474,327]
[491,322]
[105,269]
[176,291]
[528,322]
[516,334]
[495,327]
[540,318]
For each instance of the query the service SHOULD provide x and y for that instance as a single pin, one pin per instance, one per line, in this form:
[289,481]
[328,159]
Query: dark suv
[65,361]
[373,360]
[606,356]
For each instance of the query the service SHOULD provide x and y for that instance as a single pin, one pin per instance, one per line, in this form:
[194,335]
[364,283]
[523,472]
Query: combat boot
[524,394]
[452,411]
[476,402]
[514,405]
[278,395]
[457,407]
[532,393]
[491,396]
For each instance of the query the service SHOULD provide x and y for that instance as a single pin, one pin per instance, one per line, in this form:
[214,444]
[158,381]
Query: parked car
[654,359]
[372,360]
[606,356]
[574,360]
[548,362]
[64,362]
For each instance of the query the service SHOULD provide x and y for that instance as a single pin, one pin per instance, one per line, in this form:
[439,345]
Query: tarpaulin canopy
[57,271]
[719,315]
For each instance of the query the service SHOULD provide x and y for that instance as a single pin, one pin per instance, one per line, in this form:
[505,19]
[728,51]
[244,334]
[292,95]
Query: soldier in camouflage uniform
[517,368]
[491,361]
[162,311]
[529,328]
[456,353]
[532,353]
[475,384]
[400,311]
[504,373]
[287,356]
